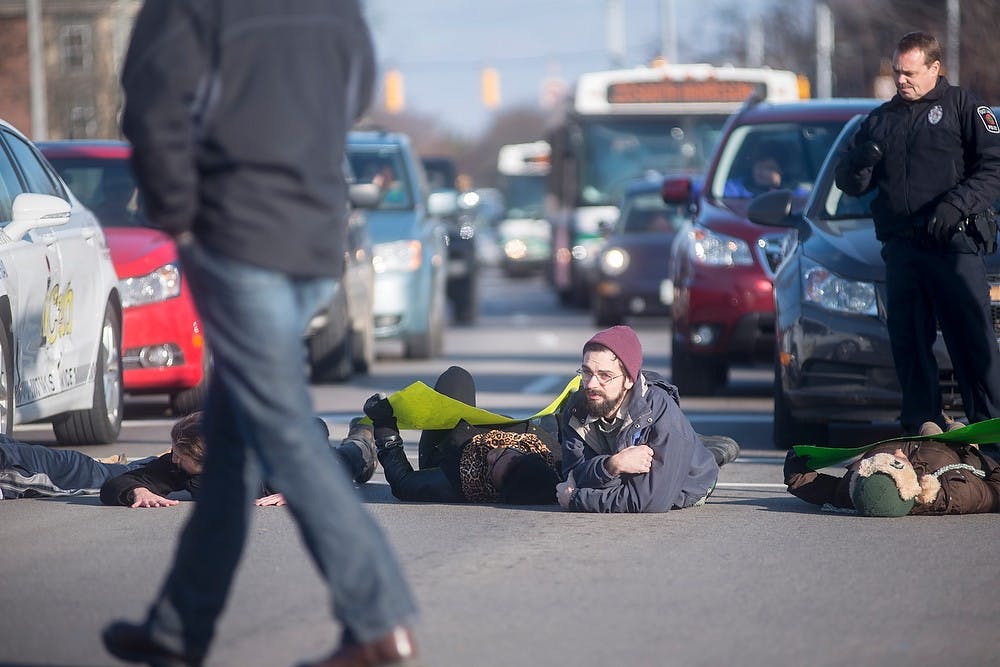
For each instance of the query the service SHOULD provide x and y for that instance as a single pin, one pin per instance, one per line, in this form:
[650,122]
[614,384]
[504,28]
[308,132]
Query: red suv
[723,264]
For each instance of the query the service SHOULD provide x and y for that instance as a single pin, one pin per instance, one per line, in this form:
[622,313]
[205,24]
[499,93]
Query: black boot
[360,442]
[724,449]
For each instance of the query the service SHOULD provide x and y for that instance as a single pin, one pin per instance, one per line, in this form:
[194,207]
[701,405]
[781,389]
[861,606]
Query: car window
[10,186]
[105,186]
[38,178]
[838,205]
[649,213]
[767,156]
[385,167]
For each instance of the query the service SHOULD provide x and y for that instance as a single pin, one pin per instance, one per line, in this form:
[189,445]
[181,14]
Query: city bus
[622,125]
[523,234]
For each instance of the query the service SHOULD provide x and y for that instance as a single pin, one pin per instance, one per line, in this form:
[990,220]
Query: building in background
[82,46]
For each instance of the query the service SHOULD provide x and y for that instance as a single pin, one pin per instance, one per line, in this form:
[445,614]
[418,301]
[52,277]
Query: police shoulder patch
[989,119]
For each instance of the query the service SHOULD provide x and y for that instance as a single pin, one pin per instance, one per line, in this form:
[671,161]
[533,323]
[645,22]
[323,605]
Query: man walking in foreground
[238,112]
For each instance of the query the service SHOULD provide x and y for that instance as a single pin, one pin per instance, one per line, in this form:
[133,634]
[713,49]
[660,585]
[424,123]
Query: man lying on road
[626,445]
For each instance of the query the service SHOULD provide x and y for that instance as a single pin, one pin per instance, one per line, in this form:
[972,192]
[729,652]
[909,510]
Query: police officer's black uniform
[941,159]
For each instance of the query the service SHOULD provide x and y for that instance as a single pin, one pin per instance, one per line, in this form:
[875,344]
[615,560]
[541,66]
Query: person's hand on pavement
[273,500]
[564,491]
[143,497]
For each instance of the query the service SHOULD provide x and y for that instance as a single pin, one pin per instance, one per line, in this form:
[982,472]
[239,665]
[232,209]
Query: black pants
[928,287]
[457,383]
[429,483]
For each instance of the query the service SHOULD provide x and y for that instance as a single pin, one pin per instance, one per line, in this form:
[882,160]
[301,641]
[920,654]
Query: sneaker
[362,436]
[723,448]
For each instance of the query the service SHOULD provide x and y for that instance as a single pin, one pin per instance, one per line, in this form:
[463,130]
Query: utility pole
[616,32]
[668,30]
[755,42]
[824,51]
[36,72]
[954,41]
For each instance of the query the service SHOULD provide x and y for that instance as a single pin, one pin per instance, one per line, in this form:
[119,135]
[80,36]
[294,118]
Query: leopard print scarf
[474,470]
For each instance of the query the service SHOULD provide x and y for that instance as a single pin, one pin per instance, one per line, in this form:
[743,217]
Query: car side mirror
[772,209]
[676,190]
[443,203]
[33,211]
[364,195]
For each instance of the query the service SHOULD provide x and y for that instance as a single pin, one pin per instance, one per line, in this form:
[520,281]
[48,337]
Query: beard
[601,405]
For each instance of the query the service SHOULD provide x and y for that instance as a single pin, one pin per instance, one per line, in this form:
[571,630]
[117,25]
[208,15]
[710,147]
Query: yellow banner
[420,407]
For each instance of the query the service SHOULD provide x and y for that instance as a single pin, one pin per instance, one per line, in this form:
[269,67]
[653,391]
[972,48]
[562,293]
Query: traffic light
[491,88]
[394,93]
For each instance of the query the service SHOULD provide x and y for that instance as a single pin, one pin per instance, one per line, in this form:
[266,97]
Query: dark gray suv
[833,361]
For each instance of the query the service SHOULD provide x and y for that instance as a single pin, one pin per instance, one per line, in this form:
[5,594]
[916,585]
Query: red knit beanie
[624,344]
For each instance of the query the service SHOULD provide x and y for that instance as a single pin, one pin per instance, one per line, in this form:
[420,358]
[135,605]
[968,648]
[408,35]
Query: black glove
[866,155]
[379,410]
[794,465]
[944,222]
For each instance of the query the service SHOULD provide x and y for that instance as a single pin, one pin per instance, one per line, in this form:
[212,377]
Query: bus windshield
[524,195]
[616,151]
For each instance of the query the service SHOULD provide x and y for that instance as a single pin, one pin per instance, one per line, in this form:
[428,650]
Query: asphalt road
[756,577]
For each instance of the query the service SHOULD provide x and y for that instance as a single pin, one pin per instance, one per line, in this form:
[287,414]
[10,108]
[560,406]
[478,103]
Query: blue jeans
[260,423]
[36,470]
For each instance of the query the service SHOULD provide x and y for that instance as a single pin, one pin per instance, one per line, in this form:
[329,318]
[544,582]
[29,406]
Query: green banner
[978,433]
[420,407]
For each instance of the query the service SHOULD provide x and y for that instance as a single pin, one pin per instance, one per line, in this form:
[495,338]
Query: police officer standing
[933,152]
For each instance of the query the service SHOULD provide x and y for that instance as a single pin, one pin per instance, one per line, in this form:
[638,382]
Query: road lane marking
[730,417]
[748,485]
[543,385]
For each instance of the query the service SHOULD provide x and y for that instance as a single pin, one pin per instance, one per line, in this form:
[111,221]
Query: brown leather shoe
[396,648]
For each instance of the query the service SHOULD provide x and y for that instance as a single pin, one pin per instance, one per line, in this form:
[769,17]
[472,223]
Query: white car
[60,311]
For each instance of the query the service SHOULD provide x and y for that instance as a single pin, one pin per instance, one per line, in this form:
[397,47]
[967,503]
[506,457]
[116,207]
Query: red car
[723,265]
[163,349]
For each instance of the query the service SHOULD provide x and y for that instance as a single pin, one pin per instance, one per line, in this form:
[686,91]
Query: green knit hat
[878,495]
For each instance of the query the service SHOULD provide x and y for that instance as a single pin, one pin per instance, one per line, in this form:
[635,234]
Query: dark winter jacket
[962,491]
[160,476]
[241,147]
[683,471]
[942,147]
[443,483]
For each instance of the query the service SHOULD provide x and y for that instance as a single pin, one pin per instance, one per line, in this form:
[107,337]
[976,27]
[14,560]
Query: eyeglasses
[603,377]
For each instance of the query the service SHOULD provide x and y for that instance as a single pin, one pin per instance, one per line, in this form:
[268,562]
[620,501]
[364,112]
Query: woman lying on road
[510,463]
[32,471]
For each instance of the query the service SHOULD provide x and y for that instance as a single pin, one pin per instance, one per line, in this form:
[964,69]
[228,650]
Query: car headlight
[162,284]
[614,261]
[713,249]
[828,290]
[403,255]
[515,249]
